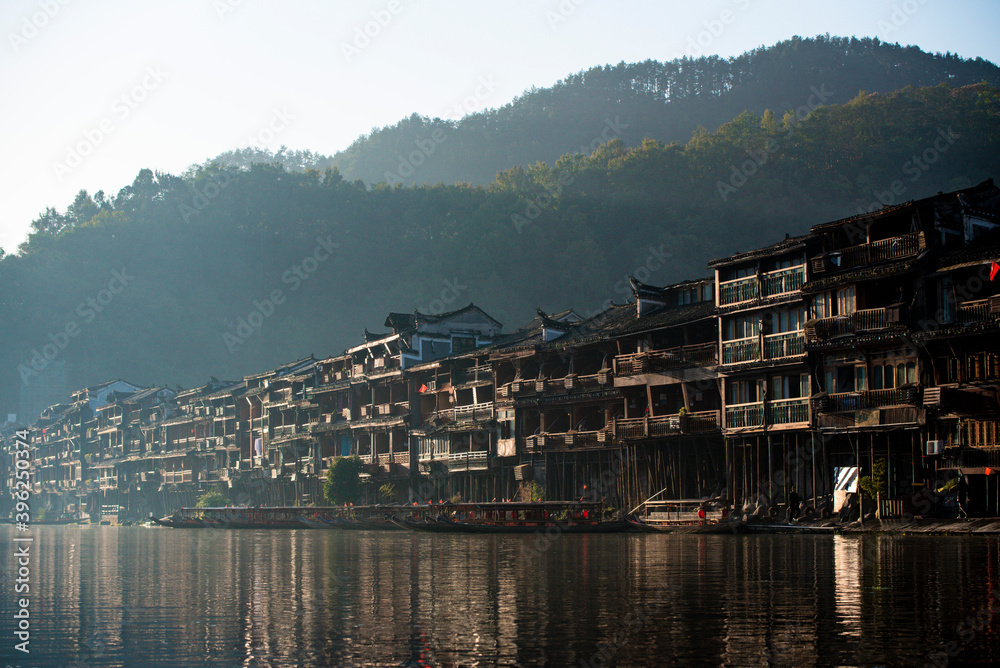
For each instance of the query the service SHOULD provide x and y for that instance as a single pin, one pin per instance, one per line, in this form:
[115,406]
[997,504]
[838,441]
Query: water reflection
[106,596]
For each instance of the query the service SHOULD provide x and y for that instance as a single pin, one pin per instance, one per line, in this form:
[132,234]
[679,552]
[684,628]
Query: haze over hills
[232,269]
[666,101]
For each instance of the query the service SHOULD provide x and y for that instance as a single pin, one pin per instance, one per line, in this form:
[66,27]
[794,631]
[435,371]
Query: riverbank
[917,525]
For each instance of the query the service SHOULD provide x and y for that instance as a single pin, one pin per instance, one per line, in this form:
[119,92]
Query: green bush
[213,500]
[874,484]
[343,484]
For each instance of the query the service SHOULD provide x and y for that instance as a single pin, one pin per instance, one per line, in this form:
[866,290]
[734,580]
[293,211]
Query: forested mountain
[232,270]
[666,101]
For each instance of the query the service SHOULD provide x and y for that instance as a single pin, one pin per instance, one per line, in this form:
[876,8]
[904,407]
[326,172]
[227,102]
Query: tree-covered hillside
[666,101]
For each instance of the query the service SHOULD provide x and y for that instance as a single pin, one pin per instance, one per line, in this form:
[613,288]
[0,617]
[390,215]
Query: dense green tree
[343,483]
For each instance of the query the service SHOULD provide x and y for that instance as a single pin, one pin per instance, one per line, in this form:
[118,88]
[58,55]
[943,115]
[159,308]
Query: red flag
[989,471]
[423,388]
[994,269]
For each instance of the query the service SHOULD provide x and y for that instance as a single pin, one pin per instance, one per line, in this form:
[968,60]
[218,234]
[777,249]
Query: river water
[134,596]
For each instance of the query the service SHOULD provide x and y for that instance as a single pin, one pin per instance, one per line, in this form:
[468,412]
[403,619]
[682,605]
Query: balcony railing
[474,412]
[786,344]
[468,461]
[866,320]
[854,401]
[738,290]
[401,458]
[703,354]
[177,477]
[788,411]
[659,426]
[894,248]
[972,312]
[741,350]
[783,281]
[776,346]
[979,433]
[745,415]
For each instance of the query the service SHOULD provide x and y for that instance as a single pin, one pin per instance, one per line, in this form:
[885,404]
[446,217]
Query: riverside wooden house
[872,337]
[767,379]
[891,336]
[557,384]
[666,367]
[453,427]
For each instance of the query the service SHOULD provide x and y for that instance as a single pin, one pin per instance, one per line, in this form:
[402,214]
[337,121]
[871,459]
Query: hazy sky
[95,91]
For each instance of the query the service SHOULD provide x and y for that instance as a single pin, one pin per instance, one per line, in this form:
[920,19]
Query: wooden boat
[505,517]
[721,527]
[177,522]
[685,516]
[512,517]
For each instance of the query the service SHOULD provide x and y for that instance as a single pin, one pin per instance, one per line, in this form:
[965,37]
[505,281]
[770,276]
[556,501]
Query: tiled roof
[670,316]
[782,246]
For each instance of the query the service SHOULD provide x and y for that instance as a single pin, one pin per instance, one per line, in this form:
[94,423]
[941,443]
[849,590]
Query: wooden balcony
[740,416]
[468,461]
[894,248]
[177,477]
[867,399]
[769,284]
[661,426]
[474,412]
[979,433]
[785,344]
[741,350]
[866,320]
[981,310]
[788,411]
[782,281]
[703,354]
[738,291]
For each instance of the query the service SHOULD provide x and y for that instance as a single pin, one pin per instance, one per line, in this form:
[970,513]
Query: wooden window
[845,301]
